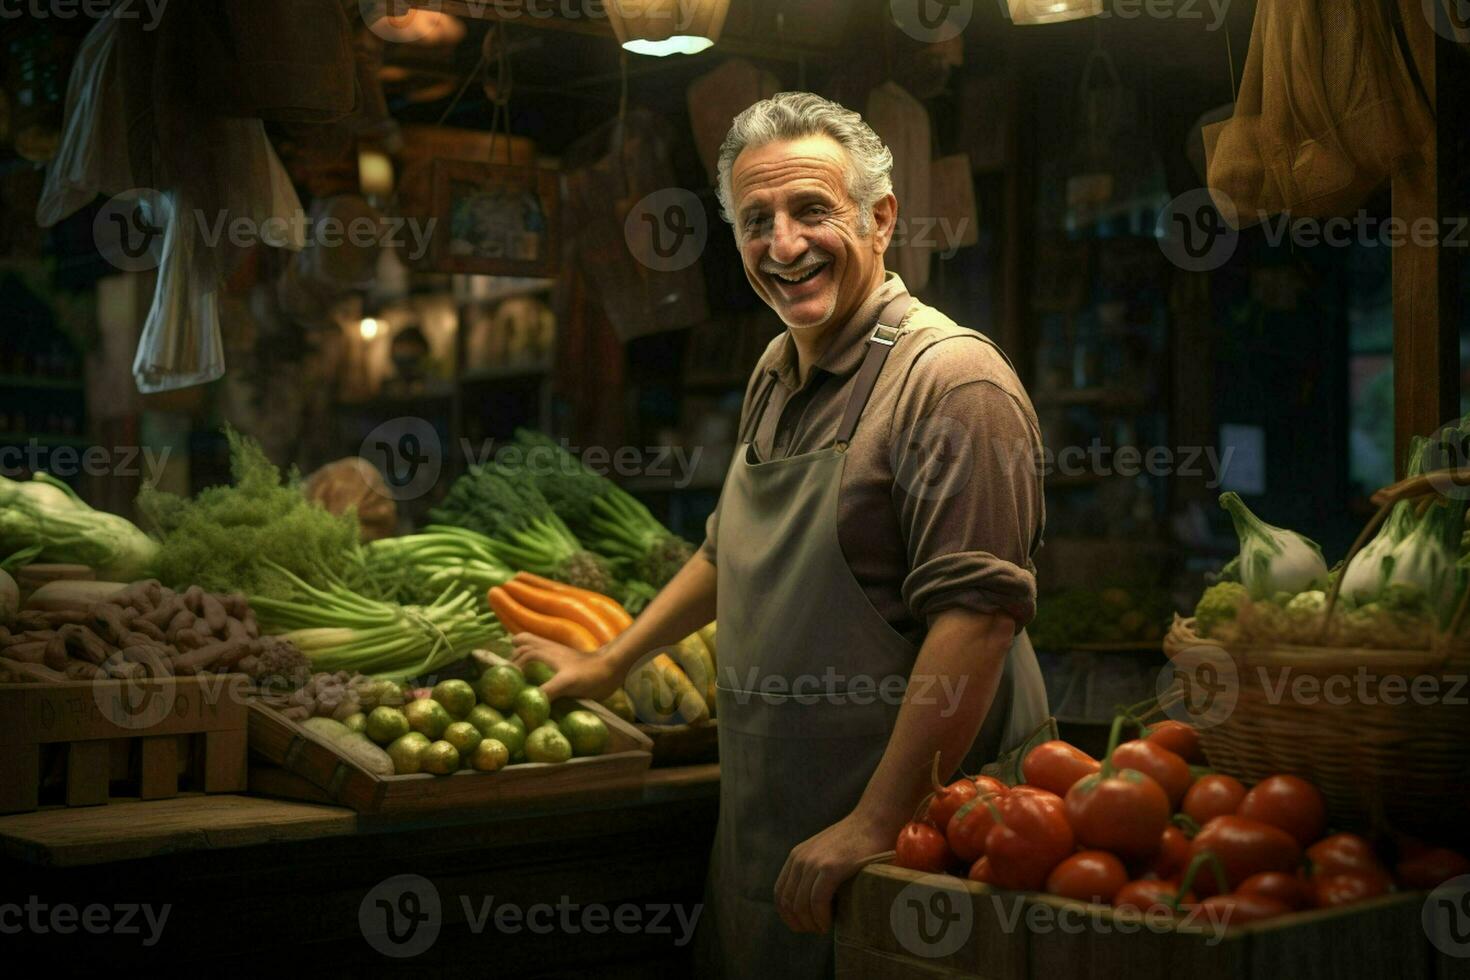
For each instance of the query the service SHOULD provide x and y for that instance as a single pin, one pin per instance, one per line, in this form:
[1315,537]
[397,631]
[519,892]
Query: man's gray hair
[793,115]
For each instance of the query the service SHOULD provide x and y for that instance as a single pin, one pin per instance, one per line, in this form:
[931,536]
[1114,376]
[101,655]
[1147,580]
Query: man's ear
[885,219]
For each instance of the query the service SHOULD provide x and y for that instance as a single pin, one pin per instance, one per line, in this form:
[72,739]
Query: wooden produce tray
[290,762]
[82,737]
[892,922]
[684,745]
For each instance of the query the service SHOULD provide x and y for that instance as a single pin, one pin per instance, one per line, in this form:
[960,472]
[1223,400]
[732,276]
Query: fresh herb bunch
[523,530]
[229,538]
[605,517]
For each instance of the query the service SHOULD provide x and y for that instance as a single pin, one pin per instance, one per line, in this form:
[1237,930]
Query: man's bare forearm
[680,608]
[952,686]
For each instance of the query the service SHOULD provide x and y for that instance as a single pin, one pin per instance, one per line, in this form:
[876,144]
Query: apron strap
[879,346]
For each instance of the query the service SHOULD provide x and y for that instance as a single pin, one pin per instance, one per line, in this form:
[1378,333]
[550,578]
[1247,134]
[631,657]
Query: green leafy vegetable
[1219,607]
[234,538]
[417,568]
[42,519]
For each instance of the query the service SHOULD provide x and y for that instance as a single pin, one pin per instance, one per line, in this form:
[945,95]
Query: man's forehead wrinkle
[807,170]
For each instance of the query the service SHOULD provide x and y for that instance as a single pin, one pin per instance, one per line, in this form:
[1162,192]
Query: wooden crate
[683,745]
[303,765]
[149,733]
[892,922]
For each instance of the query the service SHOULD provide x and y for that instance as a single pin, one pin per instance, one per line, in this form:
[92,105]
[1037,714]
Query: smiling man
[870,557]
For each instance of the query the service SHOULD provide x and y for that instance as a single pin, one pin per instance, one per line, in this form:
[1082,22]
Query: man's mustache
[813,258]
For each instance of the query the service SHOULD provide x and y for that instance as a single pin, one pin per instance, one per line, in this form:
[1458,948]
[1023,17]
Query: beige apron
[803,659]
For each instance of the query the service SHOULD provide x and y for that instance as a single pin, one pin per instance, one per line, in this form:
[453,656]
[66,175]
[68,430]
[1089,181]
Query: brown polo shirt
[941,499]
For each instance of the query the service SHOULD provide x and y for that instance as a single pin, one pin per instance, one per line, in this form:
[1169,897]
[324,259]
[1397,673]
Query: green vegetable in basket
[1367,575]
[1218,608]
[1273,559]
[42,519]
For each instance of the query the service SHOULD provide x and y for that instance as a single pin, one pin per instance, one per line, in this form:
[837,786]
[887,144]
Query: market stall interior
[348,344]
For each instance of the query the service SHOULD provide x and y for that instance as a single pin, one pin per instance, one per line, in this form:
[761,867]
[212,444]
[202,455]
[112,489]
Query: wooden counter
[253,884]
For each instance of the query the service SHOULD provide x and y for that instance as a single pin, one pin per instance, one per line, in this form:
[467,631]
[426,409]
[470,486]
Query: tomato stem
[1117,732]
[1200,860]
[1186,823]
[934,773]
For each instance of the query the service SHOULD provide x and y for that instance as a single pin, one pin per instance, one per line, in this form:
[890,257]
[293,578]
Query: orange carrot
[502,611]
[562,605]
[617,616]
[561,631]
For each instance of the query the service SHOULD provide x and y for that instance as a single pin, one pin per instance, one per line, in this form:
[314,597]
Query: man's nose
[787,241]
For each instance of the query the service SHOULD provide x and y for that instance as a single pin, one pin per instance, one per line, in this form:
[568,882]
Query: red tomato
[921,848]
[1124,813]
[1031,839]
[1151,896]
[1054,766]
[1088,876]
[1172,856]
[1288,802]
[1431,867]
[1213,796]
[1287,889]
[980,871]
[1224,911]
[946,800]
[1347,888]
[970,825]
[989,784]
[1179,738]
[1164,767]
[1342,854]
[1244,848]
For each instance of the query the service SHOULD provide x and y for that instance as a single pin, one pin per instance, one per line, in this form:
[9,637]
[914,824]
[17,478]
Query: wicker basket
[1390,761]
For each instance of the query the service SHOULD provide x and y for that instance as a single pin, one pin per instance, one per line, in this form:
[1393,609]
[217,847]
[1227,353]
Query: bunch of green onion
[338,629]
[416,568]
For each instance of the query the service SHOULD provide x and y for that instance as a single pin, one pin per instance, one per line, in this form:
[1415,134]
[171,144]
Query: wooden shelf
[55,384]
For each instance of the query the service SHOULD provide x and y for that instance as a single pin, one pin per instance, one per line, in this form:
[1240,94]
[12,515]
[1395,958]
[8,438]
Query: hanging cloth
[902,123]
[716,98]
[1330,106]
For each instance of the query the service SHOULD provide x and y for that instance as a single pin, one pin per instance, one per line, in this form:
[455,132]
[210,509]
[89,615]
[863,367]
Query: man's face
[798,231]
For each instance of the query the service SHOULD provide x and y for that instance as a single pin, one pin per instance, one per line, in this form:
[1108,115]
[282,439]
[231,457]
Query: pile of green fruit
[501,719]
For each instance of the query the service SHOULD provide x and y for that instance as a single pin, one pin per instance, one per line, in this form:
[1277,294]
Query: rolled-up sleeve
[968,493]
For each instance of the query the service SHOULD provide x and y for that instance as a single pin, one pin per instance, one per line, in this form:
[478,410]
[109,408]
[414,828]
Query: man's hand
[578,675]
[819,865]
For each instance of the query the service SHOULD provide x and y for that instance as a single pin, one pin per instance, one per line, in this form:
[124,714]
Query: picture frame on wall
[494,220]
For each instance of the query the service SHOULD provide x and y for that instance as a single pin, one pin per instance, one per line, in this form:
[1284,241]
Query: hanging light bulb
[664,27]
[368,328]
[1053,11]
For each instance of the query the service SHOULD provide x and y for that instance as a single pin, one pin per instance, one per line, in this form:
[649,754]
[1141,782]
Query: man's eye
[815,211]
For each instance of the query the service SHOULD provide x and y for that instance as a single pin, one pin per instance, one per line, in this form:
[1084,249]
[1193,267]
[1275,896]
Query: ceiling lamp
[663,27]
[1053,11]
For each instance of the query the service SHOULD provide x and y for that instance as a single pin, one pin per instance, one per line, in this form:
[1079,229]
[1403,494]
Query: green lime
[407,753]
[387,693]
[457,697]
[532,708]
[547,744]
[463,736]
[538,673]
[509,733]
[427,716]
[386,725]
[482,716]
[499,686]
[490,755]
[356,722]
[441,758]
[587,732]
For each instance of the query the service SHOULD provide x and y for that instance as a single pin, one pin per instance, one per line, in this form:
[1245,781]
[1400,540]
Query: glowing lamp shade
[374,173]
[368,328]
[664,27]
[1053,11]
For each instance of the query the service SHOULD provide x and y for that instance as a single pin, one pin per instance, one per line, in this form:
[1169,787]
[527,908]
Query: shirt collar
[844,354]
